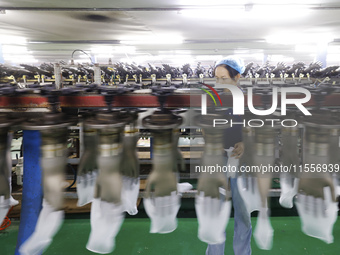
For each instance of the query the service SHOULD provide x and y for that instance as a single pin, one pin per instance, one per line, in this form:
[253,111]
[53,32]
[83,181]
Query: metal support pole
[32,192]
[97,74]
[57,76]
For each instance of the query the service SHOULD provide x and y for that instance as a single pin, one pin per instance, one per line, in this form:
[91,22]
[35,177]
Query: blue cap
[234,62]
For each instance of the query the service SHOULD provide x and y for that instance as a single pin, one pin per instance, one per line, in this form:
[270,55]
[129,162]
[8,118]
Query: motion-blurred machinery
[90,120]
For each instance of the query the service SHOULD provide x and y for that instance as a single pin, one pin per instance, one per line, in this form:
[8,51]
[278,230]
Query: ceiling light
[20,59]
[275,12]
[10,39]
[102,50]
[177,56]
[305,48]
[333,49]
[125,49]
[81,60]
[142,59]
[103,56]
[126,60]
[214,13]
[280,58]
[14,49]
[333,58]
[256,56]
[209,57]
[288,38]
[247,11]
[177,59]
[183,52]
[153,40]
[241,51]
[83,56]
[284,6]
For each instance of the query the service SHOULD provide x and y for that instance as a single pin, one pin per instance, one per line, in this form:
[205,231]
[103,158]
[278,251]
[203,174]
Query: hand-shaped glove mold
[317,208]
[87,169]
[106,220]
[163,203]
[48,224]
[264,232]
[213,215]
[289,188]
[130,170]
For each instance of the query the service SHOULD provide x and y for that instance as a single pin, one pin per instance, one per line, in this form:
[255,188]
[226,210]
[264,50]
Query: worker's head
[228,70]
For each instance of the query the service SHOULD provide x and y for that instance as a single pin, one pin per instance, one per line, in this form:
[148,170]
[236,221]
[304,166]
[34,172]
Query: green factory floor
[134,238]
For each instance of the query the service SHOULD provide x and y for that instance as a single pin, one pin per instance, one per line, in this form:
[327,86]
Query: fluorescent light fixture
[153,40]
[280,58]
[306,48]
[165,56]
[247,11]
[288,38]
[14,49]
[182,52]
[126,60]
[241,51]
[124,49]
[83,56]
[107,50]
[178,59]
[102,50]
[174,52]
[333,50]
[256,56]
[81,60]
[10,39]
[209,57]
[205,3]
[20,59]
[37,42]
[279,12]
[106,56]
[333,58]
[183,61]
[216,13]
[146,58]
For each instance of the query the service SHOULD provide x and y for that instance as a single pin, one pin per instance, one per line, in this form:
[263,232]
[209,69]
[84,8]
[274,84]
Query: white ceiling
[209,29]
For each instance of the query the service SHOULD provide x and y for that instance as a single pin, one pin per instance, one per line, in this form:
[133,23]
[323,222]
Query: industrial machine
[91,118]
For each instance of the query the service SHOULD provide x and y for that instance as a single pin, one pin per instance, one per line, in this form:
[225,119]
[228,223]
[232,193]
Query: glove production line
[109,107]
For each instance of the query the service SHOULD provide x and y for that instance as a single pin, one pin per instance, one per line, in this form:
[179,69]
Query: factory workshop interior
[172,127]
